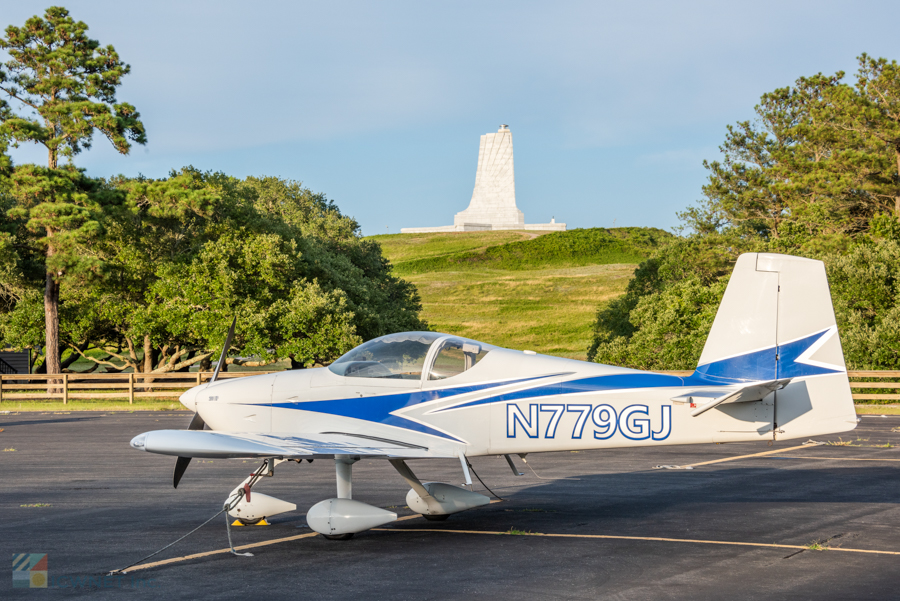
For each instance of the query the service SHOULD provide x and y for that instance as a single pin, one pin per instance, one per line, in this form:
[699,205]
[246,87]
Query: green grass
[864,409]
[520,290]
[406,247]
[575,248]
[142,404]
[817,545]
[516,532]
[548,311]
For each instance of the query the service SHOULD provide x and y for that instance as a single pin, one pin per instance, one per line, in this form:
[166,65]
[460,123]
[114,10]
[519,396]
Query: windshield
[395,356]
[402,357]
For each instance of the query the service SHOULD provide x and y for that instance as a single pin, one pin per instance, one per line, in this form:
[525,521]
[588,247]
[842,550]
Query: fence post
[199,375]
[1,389]
[65,389]
[131,388]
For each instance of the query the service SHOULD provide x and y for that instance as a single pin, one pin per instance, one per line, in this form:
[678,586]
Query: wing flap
[231,445]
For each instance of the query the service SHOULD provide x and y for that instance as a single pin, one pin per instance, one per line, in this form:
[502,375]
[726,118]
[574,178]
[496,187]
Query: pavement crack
[820,545]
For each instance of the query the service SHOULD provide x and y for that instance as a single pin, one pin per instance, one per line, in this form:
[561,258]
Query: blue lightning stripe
[762,365]
[380,409]
[594,384]
[757,366]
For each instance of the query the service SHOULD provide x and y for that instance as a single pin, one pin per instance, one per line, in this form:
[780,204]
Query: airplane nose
[189,397]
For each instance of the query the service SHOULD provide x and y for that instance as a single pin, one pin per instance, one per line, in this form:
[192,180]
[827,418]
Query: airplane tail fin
[776,321]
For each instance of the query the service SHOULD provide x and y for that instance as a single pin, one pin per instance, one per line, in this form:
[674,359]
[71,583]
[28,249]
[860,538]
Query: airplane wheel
[436,518]
[250,522]
[347,536]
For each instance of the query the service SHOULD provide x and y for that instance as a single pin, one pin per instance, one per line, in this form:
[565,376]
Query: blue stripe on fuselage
[625,381]
[380,409]
[756,366]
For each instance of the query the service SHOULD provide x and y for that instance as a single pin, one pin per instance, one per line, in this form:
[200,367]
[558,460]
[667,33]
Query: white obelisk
[494,198]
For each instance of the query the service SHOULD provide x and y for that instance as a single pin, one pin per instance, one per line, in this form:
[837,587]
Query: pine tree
[61,87]
[869,112]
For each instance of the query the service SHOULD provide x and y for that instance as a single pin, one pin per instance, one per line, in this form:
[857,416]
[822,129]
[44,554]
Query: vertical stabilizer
[746,322]
[776,321]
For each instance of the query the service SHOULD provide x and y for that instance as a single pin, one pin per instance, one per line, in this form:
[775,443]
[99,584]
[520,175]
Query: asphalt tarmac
[74,489]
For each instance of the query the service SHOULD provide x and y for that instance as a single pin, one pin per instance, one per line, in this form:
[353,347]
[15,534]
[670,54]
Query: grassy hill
[524,290]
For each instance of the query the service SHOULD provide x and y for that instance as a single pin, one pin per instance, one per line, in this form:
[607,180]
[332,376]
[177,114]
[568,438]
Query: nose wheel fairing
[253,506]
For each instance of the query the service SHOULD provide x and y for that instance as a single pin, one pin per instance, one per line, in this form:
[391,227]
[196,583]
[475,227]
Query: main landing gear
[343,468]
[342,517]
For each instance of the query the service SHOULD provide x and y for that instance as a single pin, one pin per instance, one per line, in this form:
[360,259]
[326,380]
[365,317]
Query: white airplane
[772,368]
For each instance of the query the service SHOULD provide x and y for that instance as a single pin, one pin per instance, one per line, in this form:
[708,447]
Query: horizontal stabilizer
[734,394]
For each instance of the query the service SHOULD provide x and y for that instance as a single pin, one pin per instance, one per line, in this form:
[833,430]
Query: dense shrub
[571,248]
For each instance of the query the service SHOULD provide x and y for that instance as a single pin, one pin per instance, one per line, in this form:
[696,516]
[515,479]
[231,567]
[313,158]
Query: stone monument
[494,198]
[493,204]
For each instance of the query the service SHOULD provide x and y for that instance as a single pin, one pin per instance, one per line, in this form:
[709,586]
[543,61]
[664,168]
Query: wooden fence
[859,381]
[16,387]
[874,385]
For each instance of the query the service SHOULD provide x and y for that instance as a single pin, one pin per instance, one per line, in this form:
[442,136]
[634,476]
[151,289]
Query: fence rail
[855,384]
[120,386]
[131,386]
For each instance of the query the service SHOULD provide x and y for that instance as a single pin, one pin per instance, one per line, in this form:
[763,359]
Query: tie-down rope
[230,503]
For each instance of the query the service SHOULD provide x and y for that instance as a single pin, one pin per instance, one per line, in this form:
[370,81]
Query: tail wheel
[347,536]
[246,522]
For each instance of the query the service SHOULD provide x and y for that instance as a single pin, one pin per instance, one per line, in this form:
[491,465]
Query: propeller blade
[180,466]
[225,348]
[197,423]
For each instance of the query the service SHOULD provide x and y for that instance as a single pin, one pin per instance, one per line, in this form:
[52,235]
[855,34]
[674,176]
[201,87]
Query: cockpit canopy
[406,356]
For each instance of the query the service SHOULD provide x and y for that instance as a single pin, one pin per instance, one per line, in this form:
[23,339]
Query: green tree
[60,211]
[869,114]
[865,288]
[61,87]
[821,160]
[783,176]
[187,253]
[662,320]
[335,255]
[817,174]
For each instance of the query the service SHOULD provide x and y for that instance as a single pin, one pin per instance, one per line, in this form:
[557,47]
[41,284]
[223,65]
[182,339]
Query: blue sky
[380,105]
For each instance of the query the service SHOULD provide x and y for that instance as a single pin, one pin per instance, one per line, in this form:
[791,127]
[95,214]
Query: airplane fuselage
[510,402]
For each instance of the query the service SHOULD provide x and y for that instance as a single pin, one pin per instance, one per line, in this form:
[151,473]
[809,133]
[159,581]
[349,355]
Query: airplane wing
[755,391]
[227,445]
